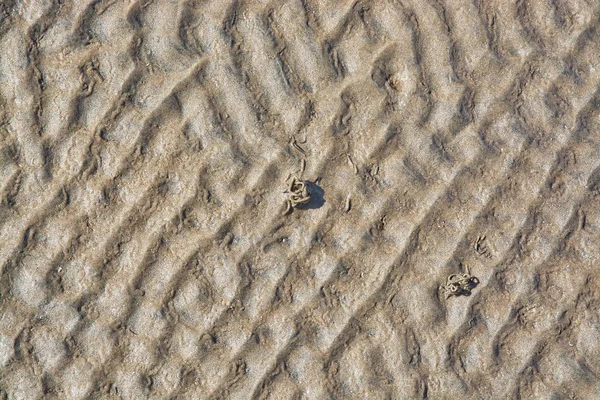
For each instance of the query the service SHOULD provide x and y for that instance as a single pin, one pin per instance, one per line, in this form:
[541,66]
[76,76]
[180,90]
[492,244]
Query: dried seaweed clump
[459,284]
[298,193]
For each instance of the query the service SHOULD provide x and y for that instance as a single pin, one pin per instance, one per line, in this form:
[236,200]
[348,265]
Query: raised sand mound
[303,199]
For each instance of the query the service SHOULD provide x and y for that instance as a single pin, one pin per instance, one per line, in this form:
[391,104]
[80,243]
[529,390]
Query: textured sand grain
[144,151]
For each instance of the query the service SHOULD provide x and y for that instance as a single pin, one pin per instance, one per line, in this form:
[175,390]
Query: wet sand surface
[145,248]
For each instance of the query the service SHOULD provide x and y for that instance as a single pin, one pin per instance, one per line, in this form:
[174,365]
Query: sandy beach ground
[145,248]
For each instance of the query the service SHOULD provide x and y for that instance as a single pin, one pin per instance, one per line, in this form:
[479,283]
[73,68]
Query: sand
[145,148]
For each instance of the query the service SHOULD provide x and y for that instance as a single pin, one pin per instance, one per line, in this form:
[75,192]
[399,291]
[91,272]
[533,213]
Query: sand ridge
[146,149]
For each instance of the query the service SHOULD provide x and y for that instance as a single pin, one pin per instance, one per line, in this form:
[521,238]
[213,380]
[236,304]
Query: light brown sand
[144,151]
